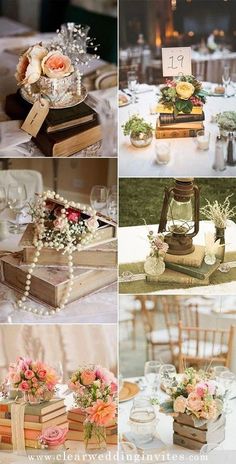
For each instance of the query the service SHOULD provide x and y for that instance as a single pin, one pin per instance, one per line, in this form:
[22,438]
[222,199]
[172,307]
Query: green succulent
[136,125]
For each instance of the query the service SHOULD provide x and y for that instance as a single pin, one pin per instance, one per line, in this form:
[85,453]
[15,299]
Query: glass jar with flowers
[140,131]
[94,390]
[154,265]
[35,379]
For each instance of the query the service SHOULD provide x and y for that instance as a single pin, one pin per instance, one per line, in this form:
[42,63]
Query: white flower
[92,223]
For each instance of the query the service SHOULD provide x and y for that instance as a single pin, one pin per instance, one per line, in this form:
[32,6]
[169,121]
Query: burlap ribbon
[17,427]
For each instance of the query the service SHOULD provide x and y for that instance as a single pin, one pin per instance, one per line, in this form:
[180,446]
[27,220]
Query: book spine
[165,119]
[190,272]
[175,133]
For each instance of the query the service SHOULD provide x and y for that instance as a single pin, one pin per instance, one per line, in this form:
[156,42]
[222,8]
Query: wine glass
[132,80]
[16,199]
[3,198]
[226,78]
[98,197]
[167,374]
[112,206]
[152,375]
[58,368]
[227,378]
[217,370]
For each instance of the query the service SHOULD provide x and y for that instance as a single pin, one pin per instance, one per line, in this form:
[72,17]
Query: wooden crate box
[191,437]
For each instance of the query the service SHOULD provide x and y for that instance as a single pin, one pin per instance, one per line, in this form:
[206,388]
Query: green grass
[141,199]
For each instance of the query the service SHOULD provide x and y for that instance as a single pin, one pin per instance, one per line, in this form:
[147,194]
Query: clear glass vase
[94,438]
[154,266]
[142,140]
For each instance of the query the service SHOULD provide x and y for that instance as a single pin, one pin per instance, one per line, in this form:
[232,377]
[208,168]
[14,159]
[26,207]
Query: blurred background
[48,15]
[209,27]
[142,198]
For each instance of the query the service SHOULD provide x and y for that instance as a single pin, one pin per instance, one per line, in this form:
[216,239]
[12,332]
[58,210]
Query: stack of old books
[65,131]
[187,269]
[37,418]
[170,125]
[76,418]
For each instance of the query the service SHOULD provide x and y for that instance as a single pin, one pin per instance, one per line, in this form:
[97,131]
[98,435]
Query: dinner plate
[127,102]
[128,391]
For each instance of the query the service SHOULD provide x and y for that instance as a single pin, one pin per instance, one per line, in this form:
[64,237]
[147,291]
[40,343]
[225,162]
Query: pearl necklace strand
[39,244]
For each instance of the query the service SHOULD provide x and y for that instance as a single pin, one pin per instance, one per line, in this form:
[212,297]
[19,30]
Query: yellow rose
[184,90]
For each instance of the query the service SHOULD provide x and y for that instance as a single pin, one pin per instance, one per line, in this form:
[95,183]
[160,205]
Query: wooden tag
[176,61]
[36,117]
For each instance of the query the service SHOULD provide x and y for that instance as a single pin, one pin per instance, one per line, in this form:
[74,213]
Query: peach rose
[53,437]
[56,65]
[28,70]
[87,377]
[180,404]
[194,402]
[92,223]
[101,413]
[190,388]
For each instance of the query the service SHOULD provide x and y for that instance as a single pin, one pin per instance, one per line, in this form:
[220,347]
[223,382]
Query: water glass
[227,378]
[132,80]
[98,197]
[167,374]
[152,375]
[112,206]
[17,199]
[203,139]
[142,421]
[226,78]
[163,153]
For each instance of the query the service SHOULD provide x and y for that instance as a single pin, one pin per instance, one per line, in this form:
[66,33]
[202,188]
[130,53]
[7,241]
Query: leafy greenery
[141,198]
[137,126]
[173,101]
[227,120]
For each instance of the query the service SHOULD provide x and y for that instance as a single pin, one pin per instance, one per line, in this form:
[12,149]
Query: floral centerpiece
[140,131]
[154,264]
[181,94]
[226,122]
[35,379]
[53,438]
[95,388]
[196,394]
[63,225]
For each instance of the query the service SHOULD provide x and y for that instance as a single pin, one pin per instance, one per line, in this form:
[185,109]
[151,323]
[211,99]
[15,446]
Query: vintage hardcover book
[189,436]
[79,436]
[78,426]
[77,415]
[194,259]
[36,418]
[101,252]
[176,133]
[163,109]
[60,419]
[48,284]
[37,409]
[166,119]
[202,272]
[29,434]
[170,276]
[70,141]
[17,108]
[181,125]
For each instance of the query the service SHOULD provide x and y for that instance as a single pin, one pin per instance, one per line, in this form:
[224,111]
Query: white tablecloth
[186,159]
[134,247]
[99,307]
[165,429]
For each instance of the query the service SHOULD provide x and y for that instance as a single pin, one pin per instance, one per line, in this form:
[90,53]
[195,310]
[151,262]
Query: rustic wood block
[189,436]
[48,284]
[101,252]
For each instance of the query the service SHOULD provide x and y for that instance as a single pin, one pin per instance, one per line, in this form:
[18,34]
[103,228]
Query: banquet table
[134,247]
[98,307]
[18,143]
[165,431]
[186,158]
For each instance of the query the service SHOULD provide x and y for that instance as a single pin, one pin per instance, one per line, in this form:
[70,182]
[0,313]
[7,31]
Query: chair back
[147,315]
[203,347]
[106,80]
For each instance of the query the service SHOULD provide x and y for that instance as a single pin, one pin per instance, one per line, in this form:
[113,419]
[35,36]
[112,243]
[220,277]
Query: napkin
[11,135]
[155,444]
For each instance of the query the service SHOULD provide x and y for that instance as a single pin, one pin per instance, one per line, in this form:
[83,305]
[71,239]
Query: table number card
[176,61]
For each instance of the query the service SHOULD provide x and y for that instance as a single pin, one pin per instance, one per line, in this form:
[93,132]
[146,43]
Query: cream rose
[29,70]
[184,90]
[180,404]
[56,65]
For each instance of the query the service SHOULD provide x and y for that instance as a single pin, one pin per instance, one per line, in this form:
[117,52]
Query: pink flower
[53,436]
[113,387]
[105,375]
[87,377]
[190,388]
[73,215]
[92,224]
[42,374]
[29,374]
[56,65]
[194,402]
[24,386]
[180,404]
[101,413]
[60,223]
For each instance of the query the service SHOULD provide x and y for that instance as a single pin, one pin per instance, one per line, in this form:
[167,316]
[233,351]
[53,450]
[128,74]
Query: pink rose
[72,215]
[194,402]
[92,224]
[87,377]
[180,404]
[105,375]
[29,374]
[60,223]
[56,65]
[24,386]
[42,374]
[53,436]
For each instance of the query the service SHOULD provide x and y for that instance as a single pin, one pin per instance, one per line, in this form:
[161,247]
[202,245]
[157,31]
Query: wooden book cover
[166,119]
[194,259]
[202,272]
[48,284]
[170,276]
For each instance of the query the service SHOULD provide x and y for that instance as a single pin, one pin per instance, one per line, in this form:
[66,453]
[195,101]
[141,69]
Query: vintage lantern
[180,216]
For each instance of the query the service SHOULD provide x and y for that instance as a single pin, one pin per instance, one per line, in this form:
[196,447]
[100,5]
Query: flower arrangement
[137,126]
[35,379]
[219,213]
[226,121]
[53,437]
[158,246]
[39,61]
[182,94]
[66,227]
[94,390]
[196,395]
